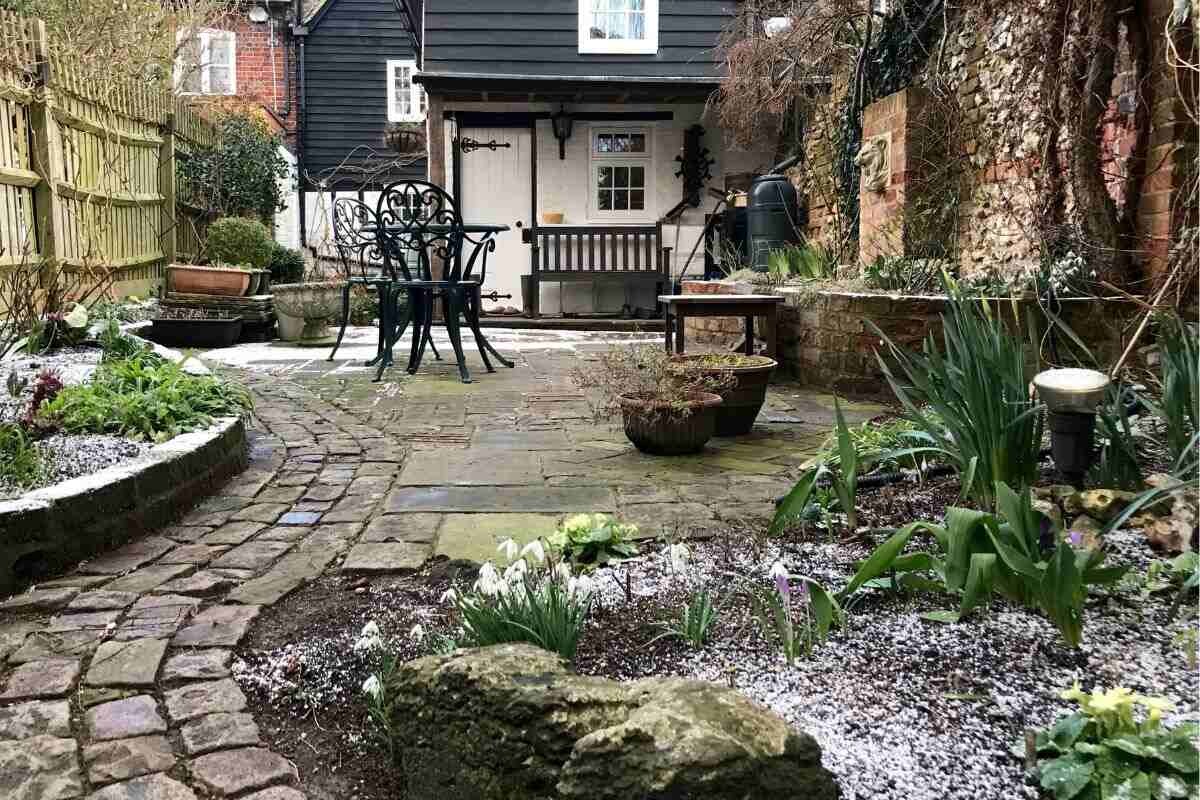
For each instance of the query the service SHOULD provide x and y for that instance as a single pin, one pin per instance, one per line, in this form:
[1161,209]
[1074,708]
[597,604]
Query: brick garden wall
[825,341]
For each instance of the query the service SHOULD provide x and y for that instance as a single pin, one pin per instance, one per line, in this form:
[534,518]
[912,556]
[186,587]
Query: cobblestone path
[116,678]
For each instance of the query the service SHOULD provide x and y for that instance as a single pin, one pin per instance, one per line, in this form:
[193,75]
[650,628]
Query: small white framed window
[618,26]
[406,99]
[621,174]
[207,63]
[880,7]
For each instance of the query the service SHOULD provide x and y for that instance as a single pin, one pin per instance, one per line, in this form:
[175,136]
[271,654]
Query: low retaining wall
[73,520]
[825,341]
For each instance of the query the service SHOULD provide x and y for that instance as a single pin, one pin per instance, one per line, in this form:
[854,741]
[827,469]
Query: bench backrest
[600,249]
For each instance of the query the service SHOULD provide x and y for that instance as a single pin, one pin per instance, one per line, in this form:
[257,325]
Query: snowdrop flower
[489,583]
[366,644]
[678,555]
[562,572]
[372,687]
[516,571]
[581,587]
[534,549]
[780,575]
[508,549]
[370,631]
[417,633]
[449,596]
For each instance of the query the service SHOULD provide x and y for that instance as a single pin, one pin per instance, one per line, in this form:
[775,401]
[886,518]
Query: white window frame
[596,160]
[647,45]
[205,36]
[416,99]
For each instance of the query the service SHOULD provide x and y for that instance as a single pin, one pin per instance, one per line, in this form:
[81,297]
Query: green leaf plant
[1016,553]
[843,481]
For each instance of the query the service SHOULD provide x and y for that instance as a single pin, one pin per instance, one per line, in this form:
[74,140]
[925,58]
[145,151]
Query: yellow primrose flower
[1112,700]
[1156,706]
[1074,693]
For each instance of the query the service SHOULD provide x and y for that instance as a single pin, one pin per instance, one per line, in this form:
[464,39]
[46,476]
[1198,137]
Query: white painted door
[496,189]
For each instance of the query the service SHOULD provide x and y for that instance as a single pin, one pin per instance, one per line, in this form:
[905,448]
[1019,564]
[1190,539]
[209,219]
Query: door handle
[519,224]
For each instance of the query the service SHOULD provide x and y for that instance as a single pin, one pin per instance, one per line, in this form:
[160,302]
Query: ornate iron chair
[356,239]
[420,218]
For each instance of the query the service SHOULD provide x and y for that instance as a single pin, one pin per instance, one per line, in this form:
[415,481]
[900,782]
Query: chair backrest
[421,218]
[355,237]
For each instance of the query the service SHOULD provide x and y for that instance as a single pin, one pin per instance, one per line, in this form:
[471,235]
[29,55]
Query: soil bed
[903,708]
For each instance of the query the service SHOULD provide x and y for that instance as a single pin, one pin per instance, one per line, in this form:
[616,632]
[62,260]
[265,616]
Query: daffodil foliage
[1116,746]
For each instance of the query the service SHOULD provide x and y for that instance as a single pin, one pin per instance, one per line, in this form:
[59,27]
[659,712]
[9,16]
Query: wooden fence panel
[87,169]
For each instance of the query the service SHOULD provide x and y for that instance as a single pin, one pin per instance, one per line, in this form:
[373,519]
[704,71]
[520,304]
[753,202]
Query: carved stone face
[872,159]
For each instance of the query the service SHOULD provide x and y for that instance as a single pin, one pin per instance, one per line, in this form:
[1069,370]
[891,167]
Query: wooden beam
[436,134]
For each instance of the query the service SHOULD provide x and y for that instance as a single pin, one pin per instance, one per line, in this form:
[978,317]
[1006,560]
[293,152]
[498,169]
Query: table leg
[770,331]
[749,346]
[668,323]
[679,323]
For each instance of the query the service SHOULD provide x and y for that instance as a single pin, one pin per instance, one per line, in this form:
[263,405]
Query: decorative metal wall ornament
[695,165]
[467,144]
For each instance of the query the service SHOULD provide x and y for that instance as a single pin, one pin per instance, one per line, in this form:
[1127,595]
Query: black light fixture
[562,123]
[1071,397]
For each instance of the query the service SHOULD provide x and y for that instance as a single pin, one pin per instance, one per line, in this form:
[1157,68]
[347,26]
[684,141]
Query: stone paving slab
[40,600]
[219,731]
[253,555]
[384,557]
[208,697]
[276,793]
[156,616]
[474,537]
[417,528]
[198,665]
[37,718]
[231,771]
[219,626]
[149,577]
[198,554]
[52,677]
[205,583]
[124,719]
[501,499]
[491,467]
[123,759]
[102,600]
[148,787]
[126,663]
[40,768]
[232,533]
[128,558]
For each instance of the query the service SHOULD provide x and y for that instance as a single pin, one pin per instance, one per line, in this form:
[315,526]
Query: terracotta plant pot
[661,431]
[222,281]
[745,398]
[196,332]
[315,303]
[552,217]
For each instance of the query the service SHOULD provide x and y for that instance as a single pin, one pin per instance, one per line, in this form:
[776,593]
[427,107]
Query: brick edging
[75,519]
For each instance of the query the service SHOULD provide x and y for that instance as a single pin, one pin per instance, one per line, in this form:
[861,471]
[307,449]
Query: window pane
[637,177]
[621,200]
[637,200]
[222,48]
[621,176]
[219,80]
[604,200]
[604,143]
[637,26]
[606,177]
[637,143]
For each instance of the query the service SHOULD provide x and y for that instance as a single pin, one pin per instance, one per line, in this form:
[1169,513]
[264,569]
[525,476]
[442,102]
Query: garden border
[75,519]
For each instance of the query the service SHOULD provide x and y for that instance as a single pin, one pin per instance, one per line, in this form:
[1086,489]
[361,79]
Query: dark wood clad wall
[346,55]
[540,37]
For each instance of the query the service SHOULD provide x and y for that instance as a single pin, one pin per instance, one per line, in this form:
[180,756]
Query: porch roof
[491,87]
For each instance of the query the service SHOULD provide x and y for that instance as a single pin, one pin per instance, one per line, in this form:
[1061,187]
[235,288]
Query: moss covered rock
[512,722]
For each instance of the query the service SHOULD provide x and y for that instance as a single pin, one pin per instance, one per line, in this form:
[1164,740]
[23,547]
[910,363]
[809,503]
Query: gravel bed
[65,456]
[903,708]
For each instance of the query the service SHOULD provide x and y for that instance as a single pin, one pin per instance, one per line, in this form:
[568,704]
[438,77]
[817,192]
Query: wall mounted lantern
[562,123]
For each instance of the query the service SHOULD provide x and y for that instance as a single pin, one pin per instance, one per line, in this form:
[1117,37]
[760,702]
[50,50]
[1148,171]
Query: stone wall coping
[740,287]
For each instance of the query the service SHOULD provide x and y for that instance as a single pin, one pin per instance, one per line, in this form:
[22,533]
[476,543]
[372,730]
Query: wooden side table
[747,306]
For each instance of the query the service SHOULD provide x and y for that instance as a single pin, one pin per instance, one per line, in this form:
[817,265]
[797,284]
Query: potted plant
[195,327]
[747,378]
[665,410]
[314,302]
[405,138]
[222,280]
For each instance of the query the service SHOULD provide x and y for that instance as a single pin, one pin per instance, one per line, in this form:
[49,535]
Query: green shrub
[20,462]
[1101,751]
[1179,405]
[695,620]
[843,481]
[903,274]
[287,265]
[118,346]
[1016,553]
[592,540]
[977,384]
[241,175]
[144,397]
[236,240]
[1116,464]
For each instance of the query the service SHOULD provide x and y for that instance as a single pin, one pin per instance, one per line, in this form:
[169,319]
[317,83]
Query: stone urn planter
[745,397]
[221,281]
[313,303]
[663,429]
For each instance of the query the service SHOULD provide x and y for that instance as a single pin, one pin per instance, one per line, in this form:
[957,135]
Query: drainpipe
[299,32]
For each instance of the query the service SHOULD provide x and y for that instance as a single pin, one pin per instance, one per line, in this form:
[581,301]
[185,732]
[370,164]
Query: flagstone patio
[126,661]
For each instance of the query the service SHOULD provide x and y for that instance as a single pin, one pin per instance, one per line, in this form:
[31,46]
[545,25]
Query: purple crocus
[780,574]
[802,593]
[1076,538]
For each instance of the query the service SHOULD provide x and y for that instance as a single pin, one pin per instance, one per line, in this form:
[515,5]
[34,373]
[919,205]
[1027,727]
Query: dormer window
[618,26]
